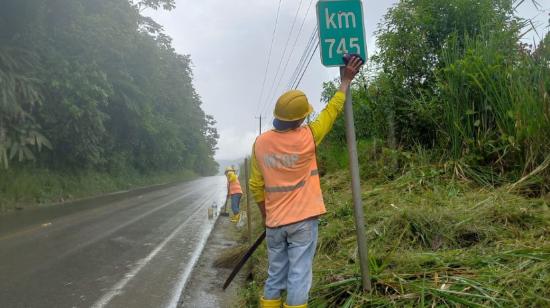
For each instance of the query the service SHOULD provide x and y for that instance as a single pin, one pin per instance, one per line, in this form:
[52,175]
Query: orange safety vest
[288,163]
[234,186]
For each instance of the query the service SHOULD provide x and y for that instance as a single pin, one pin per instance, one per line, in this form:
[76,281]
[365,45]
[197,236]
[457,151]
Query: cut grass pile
[433,241]
[231,256]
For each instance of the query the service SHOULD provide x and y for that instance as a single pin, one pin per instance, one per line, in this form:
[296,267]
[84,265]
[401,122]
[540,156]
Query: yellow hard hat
[292,106]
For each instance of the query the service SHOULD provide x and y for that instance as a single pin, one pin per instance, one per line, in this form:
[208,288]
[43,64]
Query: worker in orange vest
[234,192]
[285,184]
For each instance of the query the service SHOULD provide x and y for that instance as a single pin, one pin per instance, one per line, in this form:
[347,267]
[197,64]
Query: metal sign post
[356,191]
[341,32]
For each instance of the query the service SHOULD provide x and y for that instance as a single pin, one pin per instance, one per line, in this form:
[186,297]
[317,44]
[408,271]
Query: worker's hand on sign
[353,65]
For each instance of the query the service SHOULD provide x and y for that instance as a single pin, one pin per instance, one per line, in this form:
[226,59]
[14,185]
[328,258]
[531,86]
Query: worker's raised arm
[322,125]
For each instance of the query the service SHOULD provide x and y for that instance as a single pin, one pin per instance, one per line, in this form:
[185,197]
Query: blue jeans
[235,200]
[290,251]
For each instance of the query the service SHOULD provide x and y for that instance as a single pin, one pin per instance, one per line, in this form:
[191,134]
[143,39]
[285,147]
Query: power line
[269,56]
[305,69]
[297,83]
[292,50]
[303,59]
[302,63]
[284,51]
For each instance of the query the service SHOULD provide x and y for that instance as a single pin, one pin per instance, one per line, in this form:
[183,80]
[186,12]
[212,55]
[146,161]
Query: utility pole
[260,118]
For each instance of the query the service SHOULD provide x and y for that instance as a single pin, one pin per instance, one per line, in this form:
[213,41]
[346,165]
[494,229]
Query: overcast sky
[229,43]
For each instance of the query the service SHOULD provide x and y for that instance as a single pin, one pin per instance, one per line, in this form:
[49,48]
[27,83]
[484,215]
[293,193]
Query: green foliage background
[95,85]
[453,77]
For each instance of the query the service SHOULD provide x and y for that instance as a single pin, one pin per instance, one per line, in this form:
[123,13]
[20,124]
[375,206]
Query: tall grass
[495,106]
[434,240]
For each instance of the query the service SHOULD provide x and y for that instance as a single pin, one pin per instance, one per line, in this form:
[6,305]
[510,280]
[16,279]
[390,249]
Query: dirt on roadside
[204,288]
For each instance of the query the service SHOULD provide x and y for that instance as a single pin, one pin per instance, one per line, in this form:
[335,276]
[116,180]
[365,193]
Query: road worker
[285,184]
[234,192]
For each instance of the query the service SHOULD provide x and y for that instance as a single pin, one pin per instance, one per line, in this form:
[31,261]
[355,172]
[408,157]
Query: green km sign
[341,30]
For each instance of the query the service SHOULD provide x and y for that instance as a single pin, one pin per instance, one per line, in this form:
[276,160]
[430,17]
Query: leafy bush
[453,78]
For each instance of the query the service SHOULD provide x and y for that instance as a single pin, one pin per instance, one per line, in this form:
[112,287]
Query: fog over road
[134,249]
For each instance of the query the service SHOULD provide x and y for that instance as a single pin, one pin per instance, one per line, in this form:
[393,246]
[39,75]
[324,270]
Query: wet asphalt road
[134,249]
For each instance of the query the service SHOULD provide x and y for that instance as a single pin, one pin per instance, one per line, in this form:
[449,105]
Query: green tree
[411,39]
[102,85]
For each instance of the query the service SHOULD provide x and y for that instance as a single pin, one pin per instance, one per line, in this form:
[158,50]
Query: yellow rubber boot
[299,306]
[235,218]
[270,303]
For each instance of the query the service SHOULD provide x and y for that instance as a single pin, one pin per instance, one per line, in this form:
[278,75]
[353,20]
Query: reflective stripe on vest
[289,188]
[288,164]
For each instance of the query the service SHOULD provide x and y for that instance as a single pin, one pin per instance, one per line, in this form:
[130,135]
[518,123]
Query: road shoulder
[204,288]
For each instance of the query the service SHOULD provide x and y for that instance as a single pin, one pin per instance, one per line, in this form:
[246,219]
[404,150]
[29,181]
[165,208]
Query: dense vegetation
[453,125]
[95,85]
[433,242]
[454,78]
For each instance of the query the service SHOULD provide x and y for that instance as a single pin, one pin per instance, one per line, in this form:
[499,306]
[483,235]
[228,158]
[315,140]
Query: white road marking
[116,289]
[121,226]
[177,290]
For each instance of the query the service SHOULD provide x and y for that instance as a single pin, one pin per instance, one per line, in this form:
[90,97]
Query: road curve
[135,249]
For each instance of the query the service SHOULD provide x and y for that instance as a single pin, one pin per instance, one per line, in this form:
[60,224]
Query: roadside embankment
[22,188]
[433,240]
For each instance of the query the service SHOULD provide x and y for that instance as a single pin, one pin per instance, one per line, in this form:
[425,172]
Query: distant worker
[234,192]
[285,184]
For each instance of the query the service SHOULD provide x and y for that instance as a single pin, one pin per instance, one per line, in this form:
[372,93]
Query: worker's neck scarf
[282,126]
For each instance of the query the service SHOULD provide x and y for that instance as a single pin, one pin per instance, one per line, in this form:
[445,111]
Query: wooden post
[248,214]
